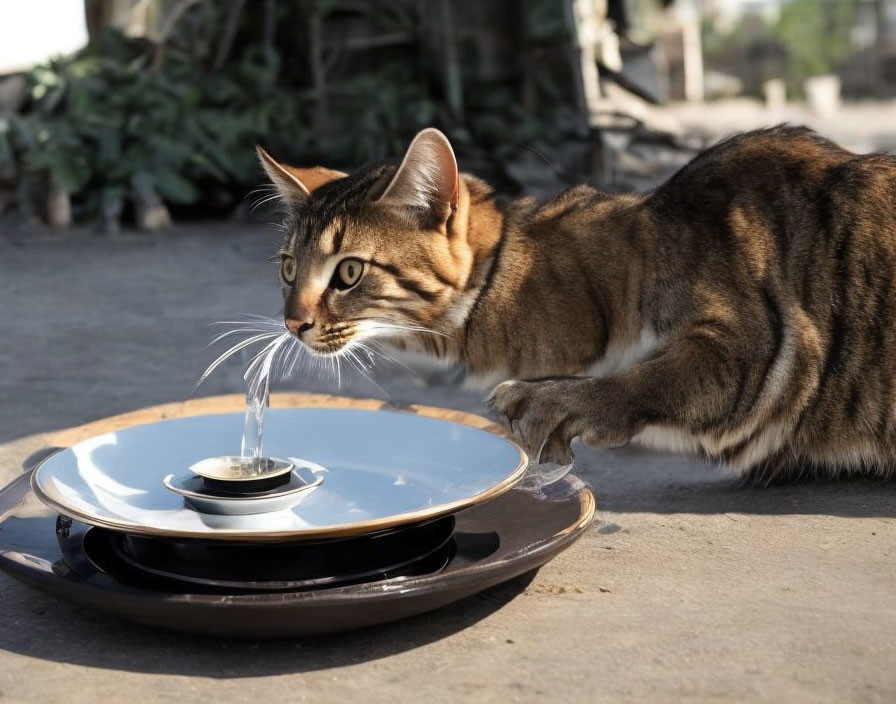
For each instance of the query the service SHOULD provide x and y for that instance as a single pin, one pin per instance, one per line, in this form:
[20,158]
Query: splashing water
[281,356]
[277,356]
[258,389]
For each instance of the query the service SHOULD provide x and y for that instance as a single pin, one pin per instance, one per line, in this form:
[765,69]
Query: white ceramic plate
[385,468]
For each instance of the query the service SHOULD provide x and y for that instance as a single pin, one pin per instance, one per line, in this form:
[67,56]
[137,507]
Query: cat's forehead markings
[330,240]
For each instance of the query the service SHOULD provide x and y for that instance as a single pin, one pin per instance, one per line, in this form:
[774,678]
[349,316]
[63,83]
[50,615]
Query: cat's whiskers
[376,349]
[239,331]
[266,194]
[231,351]
[371,326]
[364,348]
[258,329]
[359,365]
[261,201]
[282,355]
[259,369]
[262,188]
[291,358]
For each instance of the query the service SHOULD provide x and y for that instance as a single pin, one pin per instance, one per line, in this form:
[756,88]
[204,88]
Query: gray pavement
[687,588]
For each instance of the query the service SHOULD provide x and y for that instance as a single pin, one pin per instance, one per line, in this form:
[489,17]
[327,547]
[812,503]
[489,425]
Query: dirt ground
[687,588]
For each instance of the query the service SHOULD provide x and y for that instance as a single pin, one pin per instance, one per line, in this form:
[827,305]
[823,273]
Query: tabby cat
[742,311]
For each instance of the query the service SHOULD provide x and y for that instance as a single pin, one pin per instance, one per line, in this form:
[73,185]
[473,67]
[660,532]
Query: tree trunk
[59,206]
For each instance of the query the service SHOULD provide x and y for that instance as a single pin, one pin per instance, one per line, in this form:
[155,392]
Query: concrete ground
[863,126]
[687,588]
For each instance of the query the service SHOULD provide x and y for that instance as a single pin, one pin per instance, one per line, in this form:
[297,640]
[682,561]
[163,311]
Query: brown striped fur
[742,311]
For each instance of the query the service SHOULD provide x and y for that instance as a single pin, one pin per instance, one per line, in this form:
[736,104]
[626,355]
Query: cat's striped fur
[742,311]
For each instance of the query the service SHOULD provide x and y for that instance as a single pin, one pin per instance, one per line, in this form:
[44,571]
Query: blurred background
[138,113]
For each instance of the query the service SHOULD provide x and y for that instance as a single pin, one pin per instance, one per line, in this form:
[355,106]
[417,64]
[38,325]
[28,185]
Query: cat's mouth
[330,340]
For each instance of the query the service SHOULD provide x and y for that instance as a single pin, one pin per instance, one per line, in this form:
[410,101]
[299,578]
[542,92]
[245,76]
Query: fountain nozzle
[235,475]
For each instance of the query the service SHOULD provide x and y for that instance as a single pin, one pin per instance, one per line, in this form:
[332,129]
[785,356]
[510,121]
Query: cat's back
[785,199]
[777,161]
[786,168]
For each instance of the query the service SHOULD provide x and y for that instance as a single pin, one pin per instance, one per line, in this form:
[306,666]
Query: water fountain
[355,513]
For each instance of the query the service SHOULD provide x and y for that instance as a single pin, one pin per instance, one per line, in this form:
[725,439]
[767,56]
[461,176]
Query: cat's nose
[297,327]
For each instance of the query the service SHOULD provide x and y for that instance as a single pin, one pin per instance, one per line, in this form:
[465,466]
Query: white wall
[31,31]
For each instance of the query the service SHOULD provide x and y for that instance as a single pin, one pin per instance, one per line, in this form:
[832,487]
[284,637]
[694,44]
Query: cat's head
[374,253]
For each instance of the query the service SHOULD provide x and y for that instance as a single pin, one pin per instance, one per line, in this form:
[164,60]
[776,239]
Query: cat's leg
[696,386]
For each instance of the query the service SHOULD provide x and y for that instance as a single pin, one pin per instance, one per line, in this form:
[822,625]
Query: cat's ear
[427,176]
[295,185]
[291,189]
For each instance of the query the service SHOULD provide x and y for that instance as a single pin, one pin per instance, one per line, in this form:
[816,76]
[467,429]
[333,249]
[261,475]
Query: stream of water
[258,383]
[280,348]
[253,428]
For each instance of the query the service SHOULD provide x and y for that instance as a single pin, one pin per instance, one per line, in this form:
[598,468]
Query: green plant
[110,132]
[130,124]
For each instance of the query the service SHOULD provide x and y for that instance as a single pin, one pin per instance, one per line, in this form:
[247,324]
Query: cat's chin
[327,351]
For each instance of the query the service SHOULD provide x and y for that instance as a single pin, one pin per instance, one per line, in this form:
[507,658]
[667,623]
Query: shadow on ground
[638,481]
[53,630]
[853,498]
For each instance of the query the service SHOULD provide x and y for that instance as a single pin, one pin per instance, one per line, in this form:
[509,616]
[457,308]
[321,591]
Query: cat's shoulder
[575,198]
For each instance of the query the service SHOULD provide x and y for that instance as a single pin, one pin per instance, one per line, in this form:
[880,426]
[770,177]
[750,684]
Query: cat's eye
[288,269]
[348,273]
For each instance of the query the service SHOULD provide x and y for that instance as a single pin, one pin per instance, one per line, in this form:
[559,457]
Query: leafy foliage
[108,130]
[131,121]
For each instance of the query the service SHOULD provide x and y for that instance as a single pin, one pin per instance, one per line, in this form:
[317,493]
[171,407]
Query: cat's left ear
[427,177]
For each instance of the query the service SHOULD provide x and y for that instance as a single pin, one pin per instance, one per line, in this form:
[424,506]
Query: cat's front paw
[544,416]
